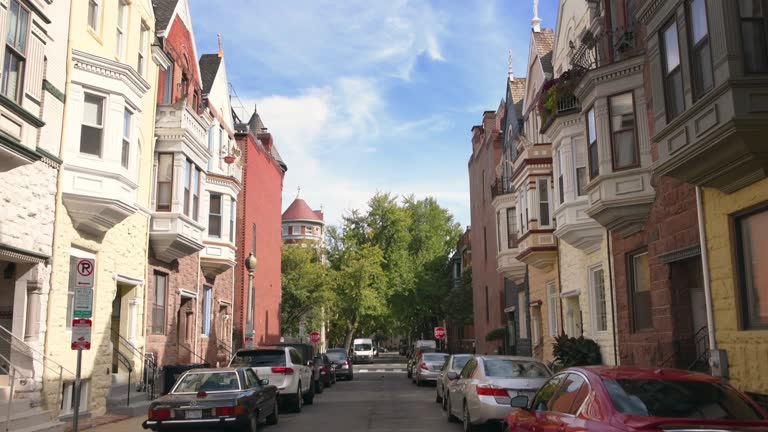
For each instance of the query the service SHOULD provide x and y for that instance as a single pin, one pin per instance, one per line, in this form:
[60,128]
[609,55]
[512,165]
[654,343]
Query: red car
[604,398]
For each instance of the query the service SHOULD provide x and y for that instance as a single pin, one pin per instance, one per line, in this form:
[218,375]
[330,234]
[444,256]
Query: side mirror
[264,382]
[452,376]
[520,401]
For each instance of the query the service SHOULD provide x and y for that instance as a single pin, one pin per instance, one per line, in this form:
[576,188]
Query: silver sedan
[429,368]
[484,389]
[455,364]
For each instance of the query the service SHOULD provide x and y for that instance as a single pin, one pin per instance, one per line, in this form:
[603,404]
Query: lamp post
[250,265]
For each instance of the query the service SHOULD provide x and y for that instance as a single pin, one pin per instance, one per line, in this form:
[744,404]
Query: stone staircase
[117,401]
[24,416]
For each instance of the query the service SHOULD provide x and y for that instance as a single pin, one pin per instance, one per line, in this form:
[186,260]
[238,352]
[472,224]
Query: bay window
[232,214]
[191,190]
[164,181]
[125,156]
[511,228]
[701,56]
[594,163]
[754,31]
[623,143]
[752,258]
[580,168]
[92,128]
[640,290]
[15,52]
[560,170]
[214,215]
[545,218]
[672,71]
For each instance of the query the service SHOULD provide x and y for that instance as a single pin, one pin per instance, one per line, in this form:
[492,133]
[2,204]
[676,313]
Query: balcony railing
[501,186]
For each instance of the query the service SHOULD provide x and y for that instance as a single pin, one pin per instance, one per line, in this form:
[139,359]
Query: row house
[707,68]
[34,56]
[103,199]
[196,183]
[460,334]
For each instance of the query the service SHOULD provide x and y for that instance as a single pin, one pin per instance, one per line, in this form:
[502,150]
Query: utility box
[718,363]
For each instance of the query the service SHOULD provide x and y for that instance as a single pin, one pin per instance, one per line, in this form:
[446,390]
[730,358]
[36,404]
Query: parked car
[340,363]
[283,367]
[647,400]
[484,389]
[455,363]
[327,373]
[362,350]
[428,368]
[307,352]
[211,398]
[415,359]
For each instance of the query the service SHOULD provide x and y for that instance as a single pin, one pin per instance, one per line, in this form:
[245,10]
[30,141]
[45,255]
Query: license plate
[193,414]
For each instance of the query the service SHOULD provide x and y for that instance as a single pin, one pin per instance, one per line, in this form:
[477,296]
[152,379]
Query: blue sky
[368,96]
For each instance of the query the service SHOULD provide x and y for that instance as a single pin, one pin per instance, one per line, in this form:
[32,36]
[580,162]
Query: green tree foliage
[458,302]
[572,351]
[307,287]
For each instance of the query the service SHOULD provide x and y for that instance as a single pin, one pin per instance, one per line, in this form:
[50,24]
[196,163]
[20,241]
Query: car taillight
[159,413]
[423,366]
[345,363]
[489,390]
[282,370]
[324,369]
[202,394]
[225,411]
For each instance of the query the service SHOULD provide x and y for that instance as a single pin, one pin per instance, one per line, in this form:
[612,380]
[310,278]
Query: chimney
[536,21]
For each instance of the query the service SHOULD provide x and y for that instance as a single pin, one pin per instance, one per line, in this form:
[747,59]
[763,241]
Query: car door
[305,374]
[529,420]
[561,412]
[261,404]
[457,388]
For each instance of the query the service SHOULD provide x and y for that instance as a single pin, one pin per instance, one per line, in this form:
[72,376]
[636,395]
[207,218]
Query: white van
[362,350]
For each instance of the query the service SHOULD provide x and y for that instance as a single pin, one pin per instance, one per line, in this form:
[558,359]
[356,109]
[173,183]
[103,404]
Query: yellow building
[104,192]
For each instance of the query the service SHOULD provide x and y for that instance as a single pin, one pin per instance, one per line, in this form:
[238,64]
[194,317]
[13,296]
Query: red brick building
[461,337]
[259,228]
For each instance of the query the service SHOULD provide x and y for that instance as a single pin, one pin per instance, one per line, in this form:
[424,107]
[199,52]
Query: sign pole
[77,391]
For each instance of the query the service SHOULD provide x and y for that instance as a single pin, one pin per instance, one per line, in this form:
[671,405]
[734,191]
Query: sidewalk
[111,423]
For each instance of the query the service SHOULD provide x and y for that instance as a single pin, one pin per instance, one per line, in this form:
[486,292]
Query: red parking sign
[439,332]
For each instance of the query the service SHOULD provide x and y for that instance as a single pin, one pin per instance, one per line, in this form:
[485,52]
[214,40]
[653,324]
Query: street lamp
[250,265]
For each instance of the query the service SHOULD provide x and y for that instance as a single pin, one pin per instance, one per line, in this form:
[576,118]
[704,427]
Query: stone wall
[747,350]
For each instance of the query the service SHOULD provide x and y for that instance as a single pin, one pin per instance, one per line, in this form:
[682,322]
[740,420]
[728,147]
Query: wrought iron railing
[501,186]
[701,347]
[134,356]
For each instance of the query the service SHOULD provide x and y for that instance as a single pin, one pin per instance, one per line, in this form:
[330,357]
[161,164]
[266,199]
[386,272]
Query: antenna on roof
[536,21]
[221,50]
[298,192]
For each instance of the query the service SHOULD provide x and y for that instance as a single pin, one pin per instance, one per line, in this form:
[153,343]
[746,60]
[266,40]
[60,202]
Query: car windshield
[435,357]
[362,347]
[259,358]
[207,382]
[678,399]
[507,368]
[336,355]
[459,362]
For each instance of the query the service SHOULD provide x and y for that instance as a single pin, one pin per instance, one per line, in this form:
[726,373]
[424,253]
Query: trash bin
[171,373]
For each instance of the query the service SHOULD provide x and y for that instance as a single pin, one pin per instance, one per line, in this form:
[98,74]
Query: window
[93,14]
[159,293]
[15,51]
[573,392]
[640,289]
[580,164]
[498,230]
[232,214]
[143,43]
[597,285]
[207,290]
[122,18]
[594,162]
[164,181]
[672,72]
[126,151]
[523,314]
[487,307]
[536,336]
[753,35]
[93,125]
[552,299]
[210,147]
[701,57]
[546,393]
[214,215]
[560,170]
[545,219]
[752,230]
[168,85]
[511,228]
[623,145]
[191,190]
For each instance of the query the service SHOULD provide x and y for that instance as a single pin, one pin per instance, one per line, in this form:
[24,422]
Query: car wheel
[449,415]
[309,398]
[319,386]
[299,402]
[349,378]
[468,427]
[273,418]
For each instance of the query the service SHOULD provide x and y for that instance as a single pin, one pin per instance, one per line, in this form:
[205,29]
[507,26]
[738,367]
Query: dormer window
[15,51]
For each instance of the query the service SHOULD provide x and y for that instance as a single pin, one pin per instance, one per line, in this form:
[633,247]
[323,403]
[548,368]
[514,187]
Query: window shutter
[33,79]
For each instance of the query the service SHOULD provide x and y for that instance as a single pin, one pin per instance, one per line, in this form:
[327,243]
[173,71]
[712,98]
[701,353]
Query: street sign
[249,341]
[84,272]
[81,333]
[83,304]
[314,337]
[439,333]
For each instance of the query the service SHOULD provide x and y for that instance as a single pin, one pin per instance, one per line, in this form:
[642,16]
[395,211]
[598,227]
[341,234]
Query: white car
[482,393]
[362,350]
[284,368]
[455,364]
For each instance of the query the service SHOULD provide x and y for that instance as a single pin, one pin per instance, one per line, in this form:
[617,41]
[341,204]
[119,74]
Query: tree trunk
[351,329]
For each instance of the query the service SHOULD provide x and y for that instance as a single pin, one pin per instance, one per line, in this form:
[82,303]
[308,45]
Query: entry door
[117,304]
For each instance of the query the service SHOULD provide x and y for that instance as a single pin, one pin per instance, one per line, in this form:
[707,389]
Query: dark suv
[341,363]
[307,352]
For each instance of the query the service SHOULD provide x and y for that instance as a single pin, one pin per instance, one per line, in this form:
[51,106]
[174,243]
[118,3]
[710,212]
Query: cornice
[111,69]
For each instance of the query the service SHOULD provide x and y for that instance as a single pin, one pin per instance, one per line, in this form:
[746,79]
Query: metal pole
[249,313]
[10,398]
[77,390]
[705,271]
